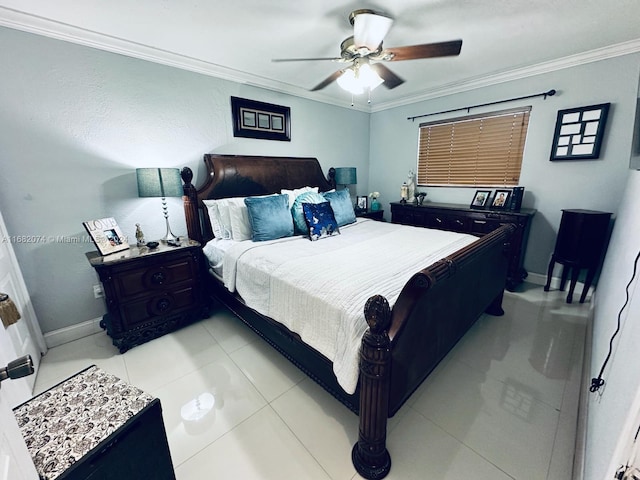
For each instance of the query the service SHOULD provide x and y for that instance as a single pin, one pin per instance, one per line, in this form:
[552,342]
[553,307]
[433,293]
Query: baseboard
[583,401]
[72,332]
[539,279]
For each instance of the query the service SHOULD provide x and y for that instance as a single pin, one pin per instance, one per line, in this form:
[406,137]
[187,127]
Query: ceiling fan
[364,50]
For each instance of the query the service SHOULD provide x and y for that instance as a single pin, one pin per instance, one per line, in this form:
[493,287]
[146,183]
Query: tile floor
[502,405]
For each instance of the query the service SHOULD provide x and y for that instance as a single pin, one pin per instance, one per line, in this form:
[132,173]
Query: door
[25,336]
[21,338]
[15,460]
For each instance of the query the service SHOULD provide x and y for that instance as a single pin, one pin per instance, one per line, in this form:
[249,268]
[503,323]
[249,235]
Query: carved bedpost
[370,456]
[331,178]
[190,200]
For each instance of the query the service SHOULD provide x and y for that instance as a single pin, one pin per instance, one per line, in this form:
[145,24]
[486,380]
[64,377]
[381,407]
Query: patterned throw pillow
[296,210]
[320,220]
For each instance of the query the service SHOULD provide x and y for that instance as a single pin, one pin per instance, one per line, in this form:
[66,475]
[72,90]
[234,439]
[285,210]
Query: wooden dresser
[150,292]
[460,218]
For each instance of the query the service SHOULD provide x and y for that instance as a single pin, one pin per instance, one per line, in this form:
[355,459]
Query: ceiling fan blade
[369,28]
[391,80]
[305,59]
[427,50]
[331,78]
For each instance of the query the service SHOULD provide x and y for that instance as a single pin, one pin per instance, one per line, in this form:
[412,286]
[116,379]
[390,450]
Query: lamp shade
[159,182]
[346,176]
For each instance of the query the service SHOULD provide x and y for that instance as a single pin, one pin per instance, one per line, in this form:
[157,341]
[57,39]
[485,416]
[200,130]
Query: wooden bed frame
[403,344]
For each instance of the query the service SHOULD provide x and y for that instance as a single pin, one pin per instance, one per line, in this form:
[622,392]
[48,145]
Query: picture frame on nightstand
[362,203]
[106,235]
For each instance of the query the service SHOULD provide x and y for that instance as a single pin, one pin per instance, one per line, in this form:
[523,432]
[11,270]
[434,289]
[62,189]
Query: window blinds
[480,150]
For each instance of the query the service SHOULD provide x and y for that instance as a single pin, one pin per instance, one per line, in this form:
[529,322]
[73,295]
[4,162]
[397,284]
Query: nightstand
[581,243]
[373,215]
[150,292]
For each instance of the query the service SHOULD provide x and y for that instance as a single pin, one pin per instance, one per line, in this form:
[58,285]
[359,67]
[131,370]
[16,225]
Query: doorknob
[20,367]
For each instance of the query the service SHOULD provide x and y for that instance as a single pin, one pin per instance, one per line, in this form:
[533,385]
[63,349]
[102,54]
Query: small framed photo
[362,203]
[107,236]
[501,199]
[480,199]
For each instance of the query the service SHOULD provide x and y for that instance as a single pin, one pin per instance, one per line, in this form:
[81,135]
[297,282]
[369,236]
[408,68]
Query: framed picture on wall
[579,132]
[252,119]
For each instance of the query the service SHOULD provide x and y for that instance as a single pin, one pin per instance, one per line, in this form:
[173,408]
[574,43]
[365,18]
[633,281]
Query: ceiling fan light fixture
[369,28]
[349,82]
[368,77]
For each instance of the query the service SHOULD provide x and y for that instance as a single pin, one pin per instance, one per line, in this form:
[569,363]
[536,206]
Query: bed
[399,343]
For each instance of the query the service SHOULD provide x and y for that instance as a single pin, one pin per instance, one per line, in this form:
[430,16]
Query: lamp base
[169,236]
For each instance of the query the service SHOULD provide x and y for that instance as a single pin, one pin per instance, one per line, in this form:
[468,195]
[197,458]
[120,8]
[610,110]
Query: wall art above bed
[252,119]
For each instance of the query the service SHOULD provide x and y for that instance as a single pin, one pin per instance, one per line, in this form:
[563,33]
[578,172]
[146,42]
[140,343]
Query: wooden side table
[150,292]
[372,214]
[580,244]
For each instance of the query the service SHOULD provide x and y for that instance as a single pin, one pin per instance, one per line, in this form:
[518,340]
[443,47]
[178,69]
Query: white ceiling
[236,39]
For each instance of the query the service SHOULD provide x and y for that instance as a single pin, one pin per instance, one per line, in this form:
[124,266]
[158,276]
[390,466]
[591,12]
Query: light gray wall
[75,123]
[613,410]
[550,186]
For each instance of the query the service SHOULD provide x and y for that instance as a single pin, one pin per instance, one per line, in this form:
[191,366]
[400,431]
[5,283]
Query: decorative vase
[375,205]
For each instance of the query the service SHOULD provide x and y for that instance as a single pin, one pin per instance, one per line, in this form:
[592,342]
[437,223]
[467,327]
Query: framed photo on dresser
[501,200]
[480,199]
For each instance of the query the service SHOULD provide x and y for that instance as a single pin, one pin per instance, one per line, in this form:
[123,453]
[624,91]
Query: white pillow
[239,216]
[214,217]
[219,217]
[293,194]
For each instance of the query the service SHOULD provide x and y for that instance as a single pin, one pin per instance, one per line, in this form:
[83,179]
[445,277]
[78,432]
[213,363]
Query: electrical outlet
[97,291]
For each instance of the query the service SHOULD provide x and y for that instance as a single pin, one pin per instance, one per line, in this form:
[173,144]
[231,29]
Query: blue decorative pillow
[270,217]
[320,220]
[298,214]
[342,207]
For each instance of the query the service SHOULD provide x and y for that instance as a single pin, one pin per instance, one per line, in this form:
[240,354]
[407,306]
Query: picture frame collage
[500,199]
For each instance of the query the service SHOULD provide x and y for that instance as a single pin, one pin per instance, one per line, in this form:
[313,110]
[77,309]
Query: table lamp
[346,176]
[160,182]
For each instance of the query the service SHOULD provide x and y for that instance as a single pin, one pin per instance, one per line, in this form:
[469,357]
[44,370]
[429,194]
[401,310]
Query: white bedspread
[319,289]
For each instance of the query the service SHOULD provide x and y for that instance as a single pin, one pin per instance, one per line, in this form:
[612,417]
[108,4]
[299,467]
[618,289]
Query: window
[479,150]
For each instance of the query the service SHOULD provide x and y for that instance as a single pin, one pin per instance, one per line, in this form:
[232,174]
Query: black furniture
[372,214]
[150,292]
[460,218]
[580,244]
[95,426]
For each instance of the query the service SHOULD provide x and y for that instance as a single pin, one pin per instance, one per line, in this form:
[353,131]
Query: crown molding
[604,53]
[61,31]
[41,26]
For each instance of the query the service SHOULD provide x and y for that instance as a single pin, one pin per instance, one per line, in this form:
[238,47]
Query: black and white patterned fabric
[65,423]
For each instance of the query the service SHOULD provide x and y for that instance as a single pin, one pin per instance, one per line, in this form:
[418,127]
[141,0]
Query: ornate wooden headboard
[244,176]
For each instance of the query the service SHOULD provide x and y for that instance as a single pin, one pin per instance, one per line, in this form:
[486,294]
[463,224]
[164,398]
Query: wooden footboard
[402,346]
